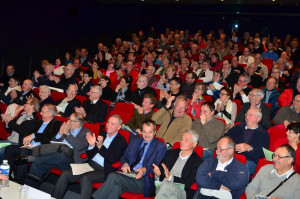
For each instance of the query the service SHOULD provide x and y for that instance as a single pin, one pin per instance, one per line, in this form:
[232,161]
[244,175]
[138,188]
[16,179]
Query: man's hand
[156,170]
[126,168]
[209,174]
[91,139]
[138,131]
[27,139]
[169,101]
[64,128]
[99,141]
[203,119]
[225,188]
[141,110]
[243,147]
[166,170]
[6,118]
[135,106]
[140,172]
[81,111]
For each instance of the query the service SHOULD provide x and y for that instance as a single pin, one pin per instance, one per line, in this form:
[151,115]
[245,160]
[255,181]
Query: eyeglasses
[93,92]
[73,120]
[242,81]
[222,94]
[222,149]
[252,95]
[279,157]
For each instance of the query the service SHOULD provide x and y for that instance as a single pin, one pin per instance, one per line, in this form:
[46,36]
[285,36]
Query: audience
[173,122]
[272,175]
[143,113]
[255,98]
[85,85]
[215,175]
[21,125]
[93,109]
[42,132]
[103,151]
[179,166]
[139,156]
[194,106]
[225,108]
[67,106]
[250,138]
[210,129]
[128,75]
[45,95]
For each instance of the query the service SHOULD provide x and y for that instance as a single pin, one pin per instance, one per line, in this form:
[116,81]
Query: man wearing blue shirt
[103,151]
[270,54]
[42,132]
[71,133]
[139,157]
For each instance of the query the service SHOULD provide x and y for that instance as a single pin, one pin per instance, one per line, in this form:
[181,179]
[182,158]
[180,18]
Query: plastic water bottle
[4,171]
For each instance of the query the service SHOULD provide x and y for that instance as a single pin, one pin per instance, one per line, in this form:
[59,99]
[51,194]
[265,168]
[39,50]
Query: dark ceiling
[206,2]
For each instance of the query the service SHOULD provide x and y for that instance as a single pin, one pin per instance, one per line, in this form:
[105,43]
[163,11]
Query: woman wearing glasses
[225,108]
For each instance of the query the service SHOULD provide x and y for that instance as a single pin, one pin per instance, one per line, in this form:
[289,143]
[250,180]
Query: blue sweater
[235,179]
[260,138]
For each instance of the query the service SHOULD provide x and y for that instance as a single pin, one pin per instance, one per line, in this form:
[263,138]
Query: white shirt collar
[288,173]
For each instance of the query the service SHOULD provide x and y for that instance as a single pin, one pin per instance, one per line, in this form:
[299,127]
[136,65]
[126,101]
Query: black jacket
[111,154]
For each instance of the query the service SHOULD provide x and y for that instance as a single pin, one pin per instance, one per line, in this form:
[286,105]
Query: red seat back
[238,105]
[81,98]
[208,98]
[55,95]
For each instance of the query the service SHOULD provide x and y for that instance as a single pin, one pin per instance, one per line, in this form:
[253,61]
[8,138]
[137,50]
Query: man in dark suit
[10,72]
[143,88]
[241,89]
[179,166]
[102,152]
[94,109]
[20,98]
[14,84]
[140,155]
[66,79]
[43,131]
[255,98]
[71,133]
[229,75]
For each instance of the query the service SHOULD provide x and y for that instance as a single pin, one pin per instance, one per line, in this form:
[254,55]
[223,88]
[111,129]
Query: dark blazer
[256,81]
[95,112]
[48,134]
[138,95]
[111,154]
[24,127]
[83,90]
[64,82]
[266,115]
[188,172]
[107,94]
[272,100]
[232,78]
[246,91]
[22,101]
[154,155]
[48,100]
[71,106]
[79,143]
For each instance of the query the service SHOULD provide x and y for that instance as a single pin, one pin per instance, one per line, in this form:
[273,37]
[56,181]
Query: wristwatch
[68,133]
[251,149]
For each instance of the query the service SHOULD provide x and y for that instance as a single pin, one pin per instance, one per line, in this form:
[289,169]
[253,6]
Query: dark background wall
[33,30]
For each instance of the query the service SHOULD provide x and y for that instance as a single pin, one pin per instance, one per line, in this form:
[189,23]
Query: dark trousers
[116,184]
[54,160]
[12,152]
[86,181]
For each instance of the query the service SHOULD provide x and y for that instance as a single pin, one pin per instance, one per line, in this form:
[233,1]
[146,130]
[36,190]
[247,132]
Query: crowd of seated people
[221,94]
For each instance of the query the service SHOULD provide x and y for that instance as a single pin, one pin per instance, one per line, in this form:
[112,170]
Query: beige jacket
[177,127]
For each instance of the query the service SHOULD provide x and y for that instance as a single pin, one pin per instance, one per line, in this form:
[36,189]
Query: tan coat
[177,127]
